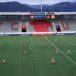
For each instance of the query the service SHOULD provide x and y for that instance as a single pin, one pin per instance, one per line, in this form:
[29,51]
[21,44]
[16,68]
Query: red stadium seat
[1,23]
[14,25]
[65,25]
[41,28]
[41,25]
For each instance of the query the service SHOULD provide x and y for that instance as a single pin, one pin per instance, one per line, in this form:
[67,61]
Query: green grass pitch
[31,56]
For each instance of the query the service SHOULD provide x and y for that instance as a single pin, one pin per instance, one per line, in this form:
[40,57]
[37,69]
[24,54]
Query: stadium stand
[57,26]
[14,25]
[68,25]
[72,26]
[30,28]
[8,26]
[1,23]
[65,25]
[41,28]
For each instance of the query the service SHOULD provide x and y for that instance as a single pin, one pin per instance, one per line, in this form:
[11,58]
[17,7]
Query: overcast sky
[38,1]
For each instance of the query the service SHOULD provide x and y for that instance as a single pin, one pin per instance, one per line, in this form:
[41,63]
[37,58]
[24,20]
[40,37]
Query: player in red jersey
[57,50]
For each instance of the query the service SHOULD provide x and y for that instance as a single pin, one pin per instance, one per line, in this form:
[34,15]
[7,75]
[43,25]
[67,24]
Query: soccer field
[32,55]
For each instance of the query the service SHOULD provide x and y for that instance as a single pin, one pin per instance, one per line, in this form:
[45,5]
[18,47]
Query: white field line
[31,45]
[61,51]
[68,44]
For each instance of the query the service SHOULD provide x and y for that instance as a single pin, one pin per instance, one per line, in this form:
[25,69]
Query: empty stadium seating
[41,28]
[65,25]
[68,25]
[14,25]
[72,26]
[37,26]
[30,28]
[8,26]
